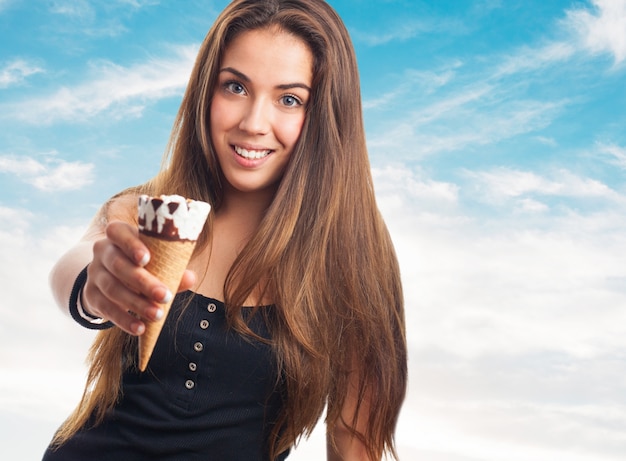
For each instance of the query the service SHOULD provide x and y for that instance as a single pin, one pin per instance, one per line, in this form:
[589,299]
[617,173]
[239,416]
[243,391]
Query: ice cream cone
[169,226]
[168,261]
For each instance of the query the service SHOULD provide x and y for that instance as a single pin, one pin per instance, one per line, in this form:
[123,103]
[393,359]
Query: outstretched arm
[116,282]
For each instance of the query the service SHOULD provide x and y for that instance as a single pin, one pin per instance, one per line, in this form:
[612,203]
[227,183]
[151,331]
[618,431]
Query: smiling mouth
[252,154]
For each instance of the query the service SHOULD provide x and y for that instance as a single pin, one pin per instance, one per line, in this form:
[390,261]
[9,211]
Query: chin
[250,188]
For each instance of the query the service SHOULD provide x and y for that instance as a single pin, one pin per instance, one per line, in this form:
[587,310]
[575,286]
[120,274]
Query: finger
[122,284]
[134,277]
[117,286]
[97,303]
[126,237]
[125,309]
[129,300]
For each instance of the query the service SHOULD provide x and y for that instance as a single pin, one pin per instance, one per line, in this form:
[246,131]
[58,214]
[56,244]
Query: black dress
[207,394]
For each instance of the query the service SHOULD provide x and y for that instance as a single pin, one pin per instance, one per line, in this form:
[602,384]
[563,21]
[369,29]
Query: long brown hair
[322,249]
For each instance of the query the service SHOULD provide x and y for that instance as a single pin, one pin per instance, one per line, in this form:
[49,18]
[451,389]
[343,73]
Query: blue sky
[497,141]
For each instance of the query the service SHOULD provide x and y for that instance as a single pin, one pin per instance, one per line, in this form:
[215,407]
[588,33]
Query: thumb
[188,280]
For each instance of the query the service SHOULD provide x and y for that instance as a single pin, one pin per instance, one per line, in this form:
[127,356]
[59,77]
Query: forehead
[270,54]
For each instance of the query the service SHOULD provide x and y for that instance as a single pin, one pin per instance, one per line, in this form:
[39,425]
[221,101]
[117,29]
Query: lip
[250,162]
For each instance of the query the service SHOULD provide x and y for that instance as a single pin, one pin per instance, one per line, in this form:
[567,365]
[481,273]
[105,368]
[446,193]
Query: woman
[295,271]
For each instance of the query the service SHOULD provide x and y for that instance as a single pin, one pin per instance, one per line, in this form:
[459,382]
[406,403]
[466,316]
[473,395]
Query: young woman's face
[259,106]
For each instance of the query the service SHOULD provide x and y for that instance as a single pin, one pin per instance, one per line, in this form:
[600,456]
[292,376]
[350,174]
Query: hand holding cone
[169,226]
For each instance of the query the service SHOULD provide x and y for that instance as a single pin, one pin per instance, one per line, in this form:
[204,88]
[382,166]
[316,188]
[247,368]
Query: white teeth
[251,154]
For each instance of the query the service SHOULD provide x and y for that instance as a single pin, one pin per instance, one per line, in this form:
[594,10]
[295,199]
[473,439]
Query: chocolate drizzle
[169,230]
[163,222]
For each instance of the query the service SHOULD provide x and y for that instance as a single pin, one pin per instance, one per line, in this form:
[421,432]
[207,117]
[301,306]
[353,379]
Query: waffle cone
[168,261]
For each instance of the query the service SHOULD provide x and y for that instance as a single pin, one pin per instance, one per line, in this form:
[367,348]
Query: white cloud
[398,32]
[451,105]
[413,185]
[603,29]
[119,91]
[138,3]
[52,175]
[496,431]
[4,4]
[546,141]
[614,154]
[64,176]
[16,220]
[75,8]
[404,29]
[87,19]
[516,326]
[502,183]
[17,71]
[468,118]
[494,107]
[532,206]
[37,342]
[20,166]
[528,58]
[423,82]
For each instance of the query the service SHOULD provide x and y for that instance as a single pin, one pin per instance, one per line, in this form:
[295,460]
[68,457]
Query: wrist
[77,309]
[83,311]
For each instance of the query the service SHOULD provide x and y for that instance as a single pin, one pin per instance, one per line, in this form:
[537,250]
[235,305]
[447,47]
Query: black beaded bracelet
[83,318]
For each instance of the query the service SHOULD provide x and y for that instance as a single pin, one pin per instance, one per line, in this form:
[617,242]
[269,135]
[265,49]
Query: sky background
[497,139]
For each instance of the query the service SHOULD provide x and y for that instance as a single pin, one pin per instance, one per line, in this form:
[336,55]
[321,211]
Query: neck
[235,222]
[244,209]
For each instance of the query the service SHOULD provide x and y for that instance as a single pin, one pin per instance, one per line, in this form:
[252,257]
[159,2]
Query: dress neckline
[216,301]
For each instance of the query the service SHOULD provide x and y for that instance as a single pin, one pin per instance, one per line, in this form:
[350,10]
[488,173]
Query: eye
[290,100]
[235,87]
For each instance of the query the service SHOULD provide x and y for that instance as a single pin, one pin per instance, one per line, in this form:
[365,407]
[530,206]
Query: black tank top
[208,394]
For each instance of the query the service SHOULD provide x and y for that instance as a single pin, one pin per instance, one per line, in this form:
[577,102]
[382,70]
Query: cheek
[290,130]
[216,115]
[223,115]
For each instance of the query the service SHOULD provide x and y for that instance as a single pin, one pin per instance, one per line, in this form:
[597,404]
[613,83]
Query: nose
[256,118]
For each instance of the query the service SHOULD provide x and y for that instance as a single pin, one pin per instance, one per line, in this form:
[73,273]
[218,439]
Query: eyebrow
[245,78]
